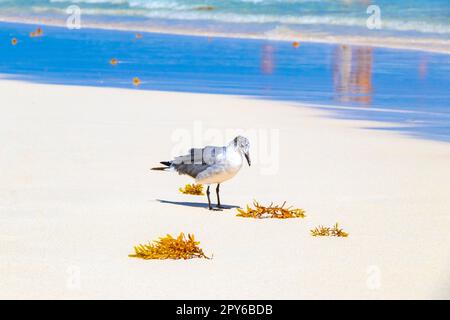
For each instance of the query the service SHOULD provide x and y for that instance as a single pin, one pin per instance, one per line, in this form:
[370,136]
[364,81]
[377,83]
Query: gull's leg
[209,200]
[218,197]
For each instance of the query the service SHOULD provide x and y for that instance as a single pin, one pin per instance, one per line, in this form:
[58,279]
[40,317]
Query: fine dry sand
[76,194]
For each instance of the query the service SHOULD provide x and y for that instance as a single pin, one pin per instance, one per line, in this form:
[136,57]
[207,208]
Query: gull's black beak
[247,156]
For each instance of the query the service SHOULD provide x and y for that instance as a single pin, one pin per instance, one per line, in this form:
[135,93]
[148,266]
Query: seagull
[210,165]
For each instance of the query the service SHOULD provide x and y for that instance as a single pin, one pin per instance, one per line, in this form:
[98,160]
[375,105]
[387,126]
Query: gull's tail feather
[160,168]
[167,166]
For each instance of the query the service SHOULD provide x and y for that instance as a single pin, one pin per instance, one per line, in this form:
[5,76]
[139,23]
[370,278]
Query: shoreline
[404,87]
[436,46]
[77,195]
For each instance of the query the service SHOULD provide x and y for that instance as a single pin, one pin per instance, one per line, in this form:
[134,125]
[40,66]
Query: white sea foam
[174,11]
[190,17]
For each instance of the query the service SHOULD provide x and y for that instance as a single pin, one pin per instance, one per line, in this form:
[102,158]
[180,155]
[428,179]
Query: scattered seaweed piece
[169,247]
[113,61]
[138,36]
[37,33]
[206,8]
[320,231]
[296,44]
[13,41]
[194,189]
[277,212]
[136,81]
[334,231]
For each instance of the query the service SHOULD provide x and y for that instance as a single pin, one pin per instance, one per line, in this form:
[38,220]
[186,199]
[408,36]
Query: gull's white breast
[224,169]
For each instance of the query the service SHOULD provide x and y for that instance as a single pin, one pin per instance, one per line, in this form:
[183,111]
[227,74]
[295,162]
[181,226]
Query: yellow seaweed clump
[14,41]
[277,212]
[37,33]
[113,61]
[194,189]
[206,8]
[136,81]
[170,248]
[334,231]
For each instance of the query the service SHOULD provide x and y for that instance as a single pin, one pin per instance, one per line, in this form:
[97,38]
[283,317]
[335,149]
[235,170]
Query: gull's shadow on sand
[196,204]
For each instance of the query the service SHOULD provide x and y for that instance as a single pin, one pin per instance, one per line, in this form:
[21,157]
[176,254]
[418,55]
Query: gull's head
[242,145]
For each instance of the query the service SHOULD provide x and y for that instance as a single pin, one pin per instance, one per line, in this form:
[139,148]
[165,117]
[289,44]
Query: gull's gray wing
[190,169]
[198,160]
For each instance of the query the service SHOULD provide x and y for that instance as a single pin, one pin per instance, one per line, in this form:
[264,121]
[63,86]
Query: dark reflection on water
[423,67]
[406,87]
[352,74]
[267,59]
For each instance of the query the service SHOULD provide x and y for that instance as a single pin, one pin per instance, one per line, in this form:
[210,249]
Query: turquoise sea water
[405,18]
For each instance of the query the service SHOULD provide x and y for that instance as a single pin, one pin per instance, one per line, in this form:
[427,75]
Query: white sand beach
[76,194]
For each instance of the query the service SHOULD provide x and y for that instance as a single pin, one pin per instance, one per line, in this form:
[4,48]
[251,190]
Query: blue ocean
[419,18]
[408,89]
